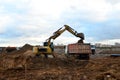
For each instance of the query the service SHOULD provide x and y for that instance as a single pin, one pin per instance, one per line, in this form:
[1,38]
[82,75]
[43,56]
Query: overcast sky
[33,21]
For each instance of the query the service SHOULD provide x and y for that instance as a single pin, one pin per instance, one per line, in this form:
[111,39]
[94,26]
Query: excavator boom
[61,30]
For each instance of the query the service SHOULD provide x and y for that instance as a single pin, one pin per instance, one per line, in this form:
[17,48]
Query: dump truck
[79,50]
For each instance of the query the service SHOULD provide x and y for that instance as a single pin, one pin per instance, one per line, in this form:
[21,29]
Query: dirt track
[21,68]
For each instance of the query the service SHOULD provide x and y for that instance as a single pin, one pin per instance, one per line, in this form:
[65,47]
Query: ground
[19,67]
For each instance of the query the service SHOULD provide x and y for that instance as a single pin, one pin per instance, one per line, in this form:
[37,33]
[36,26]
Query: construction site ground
[23,65]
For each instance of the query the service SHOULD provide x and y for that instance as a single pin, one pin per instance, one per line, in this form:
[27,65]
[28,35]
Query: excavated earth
[23,65]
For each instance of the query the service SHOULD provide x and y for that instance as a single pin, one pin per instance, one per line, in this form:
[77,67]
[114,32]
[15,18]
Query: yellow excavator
[48,47]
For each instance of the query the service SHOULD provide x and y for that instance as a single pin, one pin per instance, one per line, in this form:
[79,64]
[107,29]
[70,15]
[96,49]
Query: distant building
[102,45]
[1,49]
[117,44]
[98,45]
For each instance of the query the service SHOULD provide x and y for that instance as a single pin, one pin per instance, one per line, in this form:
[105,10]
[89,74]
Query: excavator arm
[69,29]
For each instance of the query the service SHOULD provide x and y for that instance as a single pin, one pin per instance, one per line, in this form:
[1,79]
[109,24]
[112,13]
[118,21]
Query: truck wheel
[83,56]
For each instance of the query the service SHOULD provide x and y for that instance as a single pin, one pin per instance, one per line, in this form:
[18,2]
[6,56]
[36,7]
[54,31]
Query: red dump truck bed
[78,48]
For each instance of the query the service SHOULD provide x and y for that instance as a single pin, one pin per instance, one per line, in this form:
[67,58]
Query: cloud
[112,41]
[33,21]
[94,11]
[4,21]
[113,2]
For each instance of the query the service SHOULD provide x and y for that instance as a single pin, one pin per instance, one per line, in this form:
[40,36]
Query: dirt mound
[22,49]
[26,47]
[16,59]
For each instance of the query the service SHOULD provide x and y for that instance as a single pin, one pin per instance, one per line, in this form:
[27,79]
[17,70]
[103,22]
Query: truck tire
[83,56]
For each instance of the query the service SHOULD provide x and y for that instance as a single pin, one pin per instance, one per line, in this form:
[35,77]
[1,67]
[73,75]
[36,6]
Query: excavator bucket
[81,35]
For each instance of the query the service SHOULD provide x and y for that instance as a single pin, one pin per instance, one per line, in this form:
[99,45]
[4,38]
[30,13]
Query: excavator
[48,47]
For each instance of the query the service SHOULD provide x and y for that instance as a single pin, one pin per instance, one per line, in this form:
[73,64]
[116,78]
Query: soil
[16,66]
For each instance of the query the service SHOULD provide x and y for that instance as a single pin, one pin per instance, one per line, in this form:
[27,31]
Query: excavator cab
[46,49]
[51,45]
